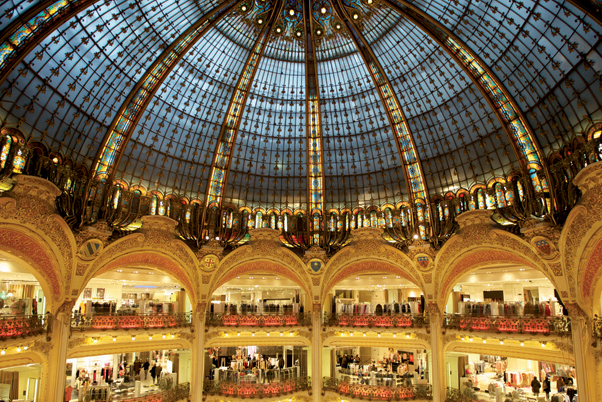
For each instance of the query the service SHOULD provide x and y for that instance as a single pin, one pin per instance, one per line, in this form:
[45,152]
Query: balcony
[259,320]
[102,322]
[378,392]
[376,321]
[510,324]
[21,326]
[256,390]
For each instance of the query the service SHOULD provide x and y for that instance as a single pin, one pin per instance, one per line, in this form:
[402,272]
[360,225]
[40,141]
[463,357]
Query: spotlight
[114,338]
[267,334]
[3,352]
[522,343]
[133,338]
[364,334]
[225,334]
[470,339]
[501,342]
[94,340]
[379,335]
[163,336]
[415,236]
[351,334]
[25,347]
[18,349]
[543,344]
[253,334]
[407,335]
[281,334]
[484,341]
[238,334]
[173,336]
[394,335]
[150,338]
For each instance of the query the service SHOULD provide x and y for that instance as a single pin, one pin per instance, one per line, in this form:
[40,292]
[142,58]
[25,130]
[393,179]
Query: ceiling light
[543,344]
[369,1]
[278,29]
[244,8]
[407,335]
[394,335]
[95,340]
[25,347]
[501,342]
[522,343]
[484,341]
[18,348]
[114,339]
[323,10]
[150,338]
[298,33]
[173,336]
[351,334]
[356,16]
[338,26]
[267,334]
[259,21]
[253,334]
[364,334]
[415,236]
[470,339]
[133,338]
[238,334]
[291,12]
[3,352]
[318,32]
[281,334]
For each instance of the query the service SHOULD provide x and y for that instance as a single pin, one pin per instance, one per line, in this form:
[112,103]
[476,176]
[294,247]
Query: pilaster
[438,354]
[57,356]
[198,354]
[316,351]
[585,360]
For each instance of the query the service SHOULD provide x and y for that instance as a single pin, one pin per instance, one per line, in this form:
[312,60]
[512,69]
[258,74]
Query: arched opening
[132,298]
[378,314]
[21,382]
[497,311]
[260,309]
[23,299]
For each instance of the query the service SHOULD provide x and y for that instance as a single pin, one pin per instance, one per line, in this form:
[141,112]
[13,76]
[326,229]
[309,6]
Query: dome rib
[220,166]
[524,142]
[408,153]
[315,146]
[132,108]
[27,32]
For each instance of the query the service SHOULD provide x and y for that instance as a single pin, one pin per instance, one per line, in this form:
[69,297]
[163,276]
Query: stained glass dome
[302,104]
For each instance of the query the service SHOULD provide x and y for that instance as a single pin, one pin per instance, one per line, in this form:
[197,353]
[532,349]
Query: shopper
[153,372]
[560,384]
[137,366]
[535,386]
[547,387]
[146,366]
[158,370]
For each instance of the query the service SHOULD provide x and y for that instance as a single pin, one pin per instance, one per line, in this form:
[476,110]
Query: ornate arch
[479,244]
[36,256]
[265,253]
[369,253]
[589,274]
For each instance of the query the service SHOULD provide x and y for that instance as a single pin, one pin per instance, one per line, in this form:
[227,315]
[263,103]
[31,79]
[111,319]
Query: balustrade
[375,320]
[377,392]
[256,390]
[259,320]
[510,324]
[454,395]
[131,321]
[21,326]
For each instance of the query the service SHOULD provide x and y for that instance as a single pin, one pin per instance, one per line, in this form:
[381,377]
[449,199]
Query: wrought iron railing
[86,201]
[597,327]
[180,392]
[510,324]
[131,321]
[21,326]
[378,392]
[258,320]
[375,320]
[454,395]
[256,390]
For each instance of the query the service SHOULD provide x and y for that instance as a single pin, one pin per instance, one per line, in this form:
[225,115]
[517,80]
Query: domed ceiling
[307,104]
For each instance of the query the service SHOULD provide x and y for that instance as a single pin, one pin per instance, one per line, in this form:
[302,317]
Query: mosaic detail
[124,123]
[226,145]
[402,134]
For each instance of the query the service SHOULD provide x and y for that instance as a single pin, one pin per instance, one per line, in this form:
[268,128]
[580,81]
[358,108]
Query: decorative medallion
[423,261]
[315,265]
[544,246]
[210,262]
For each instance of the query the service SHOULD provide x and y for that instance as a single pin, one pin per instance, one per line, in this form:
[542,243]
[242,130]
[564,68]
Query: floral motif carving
[592,271]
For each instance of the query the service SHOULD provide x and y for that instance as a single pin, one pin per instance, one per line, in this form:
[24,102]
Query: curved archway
[589,275]
[32,253]
[368,266]
[479,258]
[149,259]
[260,266]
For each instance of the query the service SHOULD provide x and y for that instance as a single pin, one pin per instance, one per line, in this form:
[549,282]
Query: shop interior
[130,291]
[508,290]
[380,366]
[380,294]
[258,294]
[495,378]
[256,364]
[20,292]
[126,375]
[21,383]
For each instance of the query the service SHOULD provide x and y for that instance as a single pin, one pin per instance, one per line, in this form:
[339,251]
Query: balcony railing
[454,395]
[510,324]
[131,321]
[256,390]
[21,326]
[180,392]
[374,320]
[259,320]
[378,392]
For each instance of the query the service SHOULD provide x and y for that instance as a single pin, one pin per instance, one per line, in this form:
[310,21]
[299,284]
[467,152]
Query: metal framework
[315,157]
[139,98]
[27,32]
[404,140]
[227,137]
[518,130]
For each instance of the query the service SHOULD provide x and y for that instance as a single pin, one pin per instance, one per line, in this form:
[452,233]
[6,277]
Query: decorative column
[585,358]
[198,353]
[316,351]
[437,352]
[57,356]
